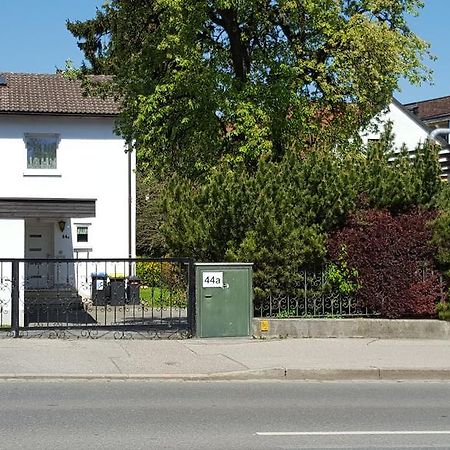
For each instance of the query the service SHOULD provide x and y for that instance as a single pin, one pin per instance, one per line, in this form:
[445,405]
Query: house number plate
[213,279]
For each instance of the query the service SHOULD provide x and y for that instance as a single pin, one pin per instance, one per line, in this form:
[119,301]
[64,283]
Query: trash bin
[133,289]
[98,288]
[117,289]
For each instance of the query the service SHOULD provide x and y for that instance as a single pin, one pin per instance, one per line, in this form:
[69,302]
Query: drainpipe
[130,200]
[435,133]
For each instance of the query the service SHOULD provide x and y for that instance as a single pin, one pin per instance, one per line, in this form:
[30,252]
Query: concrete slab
[198,359]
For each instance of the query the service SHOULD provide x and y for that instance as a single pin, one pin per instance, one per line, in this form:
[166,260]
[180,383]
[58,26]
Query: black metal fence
[313,295]
[148,297]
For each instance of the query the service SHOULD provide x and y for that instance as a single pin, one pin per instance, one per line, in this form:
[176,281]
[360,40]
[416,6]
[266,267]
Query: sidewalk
[226,359]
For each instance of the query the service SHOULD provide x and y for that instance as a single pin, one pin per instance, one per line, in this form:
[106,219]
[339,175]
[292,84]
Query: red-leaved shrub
[394,260]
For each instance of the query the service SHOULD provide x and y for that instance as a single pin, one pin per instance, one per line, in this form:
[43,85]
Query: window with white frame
[41,150]
[82,233]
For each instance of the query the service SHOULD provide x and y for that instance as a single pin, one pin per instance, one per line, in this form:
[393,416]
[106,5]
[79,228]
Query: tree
[232,80]
[149,215]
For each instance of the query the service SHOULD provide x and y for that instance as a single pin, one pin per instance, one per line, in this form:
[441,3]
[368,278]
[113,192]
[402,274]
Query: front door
[39,245]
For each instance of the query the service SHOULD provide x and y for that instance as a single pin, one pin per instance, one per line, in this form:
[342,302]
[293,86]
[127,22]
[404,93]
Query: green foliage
[161,285]
[203,82]
[149,215]
[149,273]
[443,310]
[441,230]
[395,180]
[285,314]
[428,174]
[251,104]
[279,214]
[276,217]
[70,71]
[160,274]
[341,276]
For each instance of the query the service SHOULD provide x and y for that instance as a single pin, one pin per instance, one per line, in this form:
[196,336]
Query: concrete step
[53,297]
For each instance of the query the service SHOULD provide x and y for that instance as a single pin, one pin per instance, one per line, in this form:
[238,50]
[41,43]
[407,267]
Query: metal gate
[119,298]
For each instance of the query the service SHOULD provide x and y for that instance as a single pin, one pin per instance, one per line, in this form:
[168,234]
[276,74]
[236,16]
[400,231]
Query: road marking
[347,433]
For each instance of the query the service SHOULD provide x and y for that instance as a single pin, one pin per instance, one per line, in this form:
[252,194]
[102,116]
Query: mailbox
[224,299]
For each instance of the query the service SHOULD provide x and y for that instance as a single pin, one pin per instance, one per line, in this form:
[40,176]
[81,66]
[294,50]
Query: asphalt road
[223,415]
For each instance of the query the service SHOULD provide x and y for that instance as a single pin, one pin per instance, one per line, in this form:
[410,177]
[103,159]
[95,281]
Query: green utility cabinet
[224,299]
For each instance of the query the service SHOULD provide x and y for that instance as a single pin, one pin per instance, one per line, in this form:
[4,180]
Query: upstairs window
[82,233]
[41,150]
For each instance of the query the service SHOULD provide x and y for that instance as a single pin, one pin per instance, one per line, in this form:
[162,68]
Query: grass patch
[157,297]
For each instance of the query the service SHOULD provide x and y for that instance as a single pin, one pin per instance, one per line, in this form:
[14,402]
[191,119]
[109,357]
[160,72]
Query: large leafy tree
[213,80]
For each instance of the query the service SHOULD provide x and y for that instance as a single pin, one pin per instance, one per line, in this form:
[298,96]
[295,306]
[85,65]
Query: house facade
[67,184]
[408,129]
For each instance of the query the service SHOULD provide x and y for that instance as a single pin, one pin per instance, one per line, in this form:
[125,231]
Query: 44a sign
[213,279]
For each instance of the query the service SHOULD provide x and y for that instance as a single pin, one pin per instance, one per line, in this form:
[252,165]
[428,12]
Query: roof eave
[53,113]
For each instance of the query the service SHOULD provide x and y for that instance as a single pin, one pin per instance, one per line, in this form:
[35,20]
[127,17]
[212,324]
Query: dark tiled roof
[50,94]
[430,109]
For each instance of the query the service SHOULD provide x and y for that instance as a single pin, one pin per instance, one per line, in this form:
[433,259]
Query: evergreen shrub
[279,214]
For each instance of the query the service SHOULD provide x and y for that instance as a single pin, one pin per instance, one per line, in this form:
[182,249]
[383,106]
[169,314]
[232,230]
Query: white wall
[91,164]
[12,234]
[405,129]
[11,246]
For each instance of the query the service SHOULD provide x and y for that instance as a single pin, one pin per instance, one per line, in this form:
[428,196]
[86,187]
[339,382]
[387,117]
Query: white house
[67,185]
[408,129]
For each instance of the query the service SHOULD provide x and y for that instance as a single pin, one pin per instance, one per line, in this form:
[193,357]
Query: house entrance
[39,245]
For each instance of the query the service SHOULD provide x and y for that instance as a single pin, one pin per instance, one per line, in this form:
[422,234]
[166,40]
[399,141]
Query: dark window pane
[41,151]
[82,234]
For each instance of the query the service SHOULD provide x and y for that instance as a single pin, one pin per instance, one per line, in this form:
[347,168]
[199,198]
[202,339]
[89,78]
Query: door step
[53,297]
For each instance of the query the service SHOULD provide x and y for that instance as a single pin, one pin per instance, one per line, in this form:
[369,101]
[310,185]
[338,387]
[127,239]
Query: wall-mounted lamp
[62,225]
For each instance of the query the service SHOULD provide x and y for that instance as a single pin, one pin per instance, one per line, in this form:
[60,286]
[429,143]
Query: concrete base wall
[351,328]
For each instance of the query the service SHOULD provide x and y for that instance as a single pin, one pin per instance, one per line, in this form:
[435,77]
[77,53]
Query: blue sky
[33,34]
[34,38]
[433,26]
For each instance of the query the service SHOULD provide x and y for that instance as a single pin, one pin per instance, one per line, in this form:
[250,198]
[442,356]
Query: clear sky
[34,38]
[33,34]
[433,26]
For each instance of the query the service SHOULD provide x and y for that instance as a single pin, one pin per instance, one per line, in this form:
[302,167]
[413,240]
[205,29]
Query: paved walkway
[214,359]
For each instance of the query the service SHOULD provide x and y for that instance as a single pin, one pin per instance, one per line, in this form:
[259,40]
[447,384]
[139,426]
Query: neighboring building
[435,113]
[67,187]
[408,129]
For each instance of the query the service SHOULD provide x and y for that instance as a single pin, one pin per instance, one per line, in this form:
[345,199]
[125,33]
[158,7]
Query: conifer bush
[275,217]
[280,214]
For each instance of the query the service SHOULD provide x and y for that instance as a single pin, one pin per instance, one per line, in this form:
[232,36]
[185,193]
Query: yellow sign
[264,325]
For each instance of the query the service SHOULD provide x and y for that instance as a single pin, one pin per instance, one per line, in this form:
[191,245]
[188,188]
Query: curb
[370,374]
[264,374]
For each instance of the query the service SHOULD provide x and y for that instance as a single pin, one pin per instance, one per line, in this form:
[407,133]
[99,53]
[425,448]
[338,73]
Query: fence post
[15,295]
[191,298]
